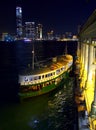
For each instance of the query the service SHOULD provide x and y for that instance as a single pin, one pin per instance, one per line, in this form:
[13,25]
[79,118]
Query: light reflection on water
[54,111]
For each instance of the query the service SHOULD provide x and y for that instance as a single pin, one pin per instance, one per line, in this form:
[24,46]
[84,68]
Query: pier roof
[88,30]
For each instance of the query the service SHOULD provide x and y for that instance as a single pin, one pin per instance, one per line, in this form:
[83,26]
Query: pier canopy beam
[88,30]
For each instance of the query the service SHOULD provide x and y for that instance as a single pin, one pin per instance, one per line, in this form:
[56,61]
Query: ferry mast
[33,57]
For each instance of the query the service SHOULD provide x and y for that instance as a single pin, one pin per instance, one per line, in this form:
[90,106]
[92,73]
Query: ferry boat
[52,74]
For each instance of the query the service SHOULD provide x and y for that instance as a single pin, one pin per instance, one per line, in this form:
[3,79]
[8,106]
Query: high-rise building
[7,37]
[68,35]
[4,35]
[19,22]
[39,32]
[50,35]
[30,30]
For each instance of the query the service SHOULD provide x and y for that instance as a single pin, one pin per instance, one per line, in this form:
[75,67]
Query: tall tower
[39,32]
[19,22]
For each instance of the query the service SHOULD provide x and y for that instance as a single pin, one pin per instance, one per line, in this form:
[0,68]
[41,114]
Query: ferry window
[39,77]
[25,79]
[57,71]
[31,79]
[62,68]
[46,75]
[49,74]
[35,78]
[42,76]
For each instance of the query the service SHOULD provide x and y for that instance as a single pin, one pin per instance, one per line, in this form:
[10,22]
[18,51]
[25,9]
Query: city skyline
[62,16]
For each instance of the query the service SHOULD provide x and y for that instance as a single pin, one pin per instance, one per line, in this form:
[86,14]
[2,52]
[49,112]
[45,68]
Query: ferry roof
[49,66]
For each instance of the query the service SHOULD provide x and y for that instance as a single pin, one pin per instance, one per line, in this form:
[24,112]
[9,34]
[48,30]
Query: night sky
[58,15]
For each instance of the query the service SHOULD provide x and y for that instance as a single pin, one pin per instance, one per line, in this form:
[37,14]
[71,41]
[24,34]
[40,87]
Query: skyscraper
[39,32]
[30,30]
[19,22]
[50,35]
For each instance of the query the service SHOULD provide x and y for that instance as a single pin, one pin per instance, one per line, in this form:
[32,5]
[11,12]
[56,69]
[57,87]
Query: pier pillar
[78,49]
[89,66]
[92,114]
[83,49]
[85,66]
[86,58]
[82,60]
[81,54]
[93,105]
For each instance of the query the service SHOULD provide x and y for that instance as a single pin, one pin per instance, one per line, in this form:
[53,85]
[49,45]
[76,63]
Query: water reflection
[54,111]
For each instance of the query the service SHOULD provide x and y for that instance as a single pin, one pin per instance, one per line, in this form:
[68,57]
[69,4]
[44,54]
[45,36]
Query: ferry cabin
[43,77]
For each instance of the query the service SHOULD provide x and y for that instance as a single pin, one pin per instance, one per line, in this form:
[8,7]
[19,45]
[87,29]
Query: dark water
[54,111]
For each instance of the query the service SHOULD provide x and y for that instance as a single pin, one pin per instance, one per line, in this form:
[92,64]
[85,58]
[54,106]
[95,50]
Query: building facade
[30,30]
[39,32]
[19,22]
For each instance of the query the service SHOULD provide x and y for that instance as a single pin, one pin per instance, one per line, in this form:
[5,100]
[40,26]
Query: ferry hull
[46,89]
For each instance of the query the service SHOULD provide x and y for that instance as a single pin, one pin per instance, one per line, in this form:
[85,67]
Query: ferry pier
[86,74]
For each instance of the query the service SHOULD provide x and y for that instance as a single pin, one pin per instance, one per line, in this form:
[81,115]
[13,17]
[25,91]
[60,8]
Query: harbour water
[53,111]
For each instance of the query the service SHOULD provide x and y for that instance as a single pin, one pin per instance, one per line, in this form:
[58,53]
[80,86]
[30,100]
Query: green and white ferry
[52,74]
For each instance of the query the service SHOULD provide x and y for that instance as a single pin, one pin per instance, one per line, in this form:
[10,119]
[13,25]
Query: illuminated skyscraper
[19,21]
[30,30]
[50,35]
[39,32]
